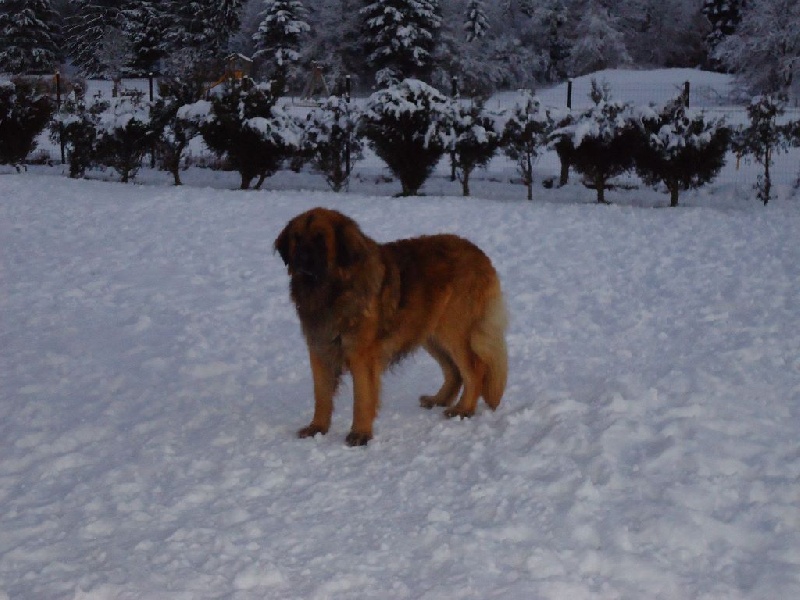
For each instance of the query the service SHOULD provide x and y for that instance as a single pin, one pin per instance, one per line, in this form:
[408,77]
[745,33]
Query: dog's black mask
[310,258]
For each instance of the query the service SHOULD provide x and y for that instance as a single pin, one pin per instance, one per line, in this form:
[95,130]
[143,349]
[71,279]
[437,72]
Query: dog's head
[319,244]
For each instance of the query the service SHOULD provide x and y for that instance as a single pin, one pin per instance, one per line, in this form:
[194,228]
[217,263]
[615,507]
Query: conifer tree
[526,135]
[475,139]
[205,25]
[279,36]
[400,38]
[29,36]
[145,27]
[408,126]
[476,24]
[723,16]
[763,138]
[680,148]
[603,141]
[94,26]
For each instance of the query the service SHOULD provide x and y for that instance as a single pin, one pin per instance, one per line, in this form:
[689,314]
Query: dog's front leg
[326,380]
[366,372]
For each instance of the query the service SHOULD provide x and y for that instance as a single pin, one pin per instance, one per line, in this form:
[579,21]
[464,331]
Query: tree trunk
[674,192]
[529,176]
[564,177]
[600,184]
[465,183]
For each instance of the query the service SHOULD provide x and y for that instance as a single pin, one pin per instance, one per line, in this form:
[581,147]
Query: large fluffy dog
[364,305]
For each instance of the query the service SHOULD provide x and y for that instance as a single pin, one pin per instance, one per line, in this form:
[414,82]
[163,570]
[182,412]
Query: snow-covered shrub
[244,124]
[603,140]
[680,148]
[762,138]
[408,127]
[475,139]
[23,116]
[173,128]
[330,142]
[77,125]
[525,136]
[124,136]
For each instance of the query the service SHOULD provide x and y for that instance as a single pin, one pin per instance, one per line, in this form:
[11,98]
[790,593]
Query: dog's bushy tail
[488,341]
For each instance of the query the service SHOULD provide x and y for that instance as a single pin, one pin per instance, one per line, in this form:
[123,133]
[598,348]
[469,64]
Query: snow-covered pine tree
[94,25]
[400,38]
[525,136]
[173,130]
[763,138]
[603,139]
[336,41]
[206,25]
[224,19]
[475,139]
[124,136]
[476,24]
[680,148]
[29,36]
[23,116]
[408,126]
[77,125]
[723,16]
[279,36]
[329,139]
[244,124]
[764,50]
[145,27]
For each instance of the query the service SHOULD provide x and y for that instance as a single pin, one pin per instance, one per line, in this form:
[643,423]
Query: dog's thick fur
[363,306]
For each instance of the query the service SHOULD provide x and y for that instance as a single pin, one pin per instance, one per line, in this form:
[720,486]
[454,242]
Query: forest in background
[487,45]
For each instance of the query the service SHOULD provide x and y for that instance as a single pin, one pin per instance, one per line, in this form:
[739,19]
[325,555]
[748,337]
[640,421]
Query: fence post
[60,124]
[454,94]
[686,89]
[569,93]
[347,158]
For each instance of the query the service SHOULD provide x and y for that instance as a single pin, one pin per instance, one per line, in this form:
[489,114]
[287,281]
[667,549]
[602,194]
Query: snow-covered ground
[152,376]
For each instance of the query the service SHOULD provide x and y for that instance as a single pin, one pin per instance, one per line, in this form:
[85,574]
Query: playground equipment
[315,86]
[237,66]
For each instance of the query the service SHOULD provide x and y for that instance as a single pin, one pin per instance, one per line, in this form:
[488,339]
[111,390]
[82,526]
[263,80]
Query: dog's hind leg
[472,370]
[452,378]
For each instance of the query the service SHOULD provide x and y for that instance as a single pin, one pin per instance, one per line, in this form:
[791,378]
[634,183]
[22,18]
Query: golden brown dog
[363,306]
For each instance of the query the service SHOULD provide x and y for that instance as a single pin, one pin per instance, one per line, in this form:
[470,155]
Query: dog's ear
[282,243]
[351,244]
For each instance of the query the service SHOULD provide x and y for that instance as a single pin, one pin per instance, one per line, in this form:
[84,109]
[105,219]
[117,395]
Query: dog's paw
[456,412]
[311,431]
[357,439]
[432,401]
[427,402]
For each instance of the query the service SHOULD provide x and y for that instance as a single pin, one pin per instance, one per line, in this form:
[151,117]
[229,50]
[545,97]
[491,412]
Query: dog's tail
[488,341]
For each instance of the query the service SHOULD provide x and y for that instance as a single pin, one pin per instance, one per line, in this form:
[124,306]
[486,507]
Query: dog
[363,306]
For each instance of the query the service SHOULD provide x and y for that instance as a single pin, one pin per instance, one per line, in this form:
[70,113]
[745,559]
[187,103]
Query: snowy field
[152,376]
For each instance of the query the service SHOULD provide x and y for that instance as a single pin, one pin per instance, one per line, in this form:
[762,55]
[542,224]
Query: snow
[154,375]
